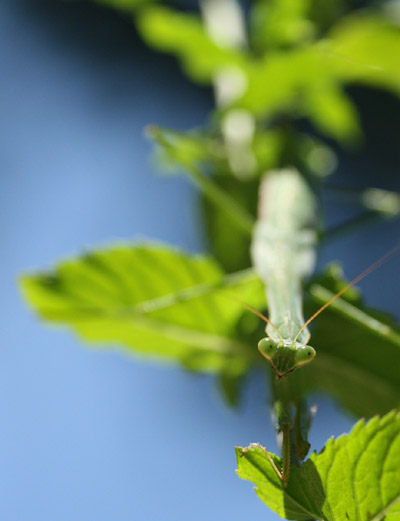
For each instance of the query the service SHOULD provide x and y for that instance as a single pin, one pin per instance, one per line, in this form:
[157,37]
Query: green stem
[281,409]
[348,310]
[238,215]
[351,225]
[386,202]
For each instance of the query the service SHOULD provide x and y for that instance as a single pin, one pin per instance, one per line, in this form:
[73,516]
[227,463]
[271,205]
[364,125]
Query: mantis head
[285,356]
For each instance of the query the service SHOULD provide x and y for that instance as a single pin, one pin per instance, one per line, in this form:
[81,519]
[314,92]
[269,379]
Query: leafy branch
[355,477]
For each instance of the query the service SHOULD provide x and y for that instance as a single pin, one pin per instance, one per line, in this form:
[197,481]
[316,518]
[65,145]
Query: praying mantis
[283,251]
[284,254]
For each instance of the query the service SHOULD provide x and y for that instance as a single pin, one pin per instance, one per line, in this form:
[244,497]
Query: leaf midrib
[384,511]
[199,339]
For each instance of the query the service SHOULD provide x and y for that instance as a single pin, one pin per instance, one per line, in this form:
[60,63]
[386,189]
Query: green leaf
[231,249]
[184,35]
[279,23]
[278,81]
[332,112]
[192,147]
[356,477]
[358,350]
[324,14]
[153,300]
[302,82]
[366,50]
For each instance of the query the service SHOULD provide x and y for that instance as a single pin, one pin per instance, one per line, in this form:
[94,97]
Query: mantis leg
[293,433]
[351,225]
[285,429]
[285,426]
[302,424]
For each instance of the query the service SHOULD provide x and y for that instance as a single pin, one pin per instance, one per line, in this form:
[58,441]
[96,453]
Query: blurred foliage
[358,349]
[292,62]
[280,24]
[229,245]
[366,49]
[293,72]
[356,476]
[185,36]
[203,157]
[298,58]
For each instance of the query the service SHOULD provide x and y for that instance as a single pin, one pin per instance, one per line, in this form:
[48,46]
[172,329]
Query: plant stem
[322,295]
[238,215]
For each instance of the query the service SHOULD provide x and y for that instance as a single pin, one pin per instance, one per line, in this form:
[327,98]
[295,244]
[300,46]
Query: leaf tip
[239,451]
[152,131]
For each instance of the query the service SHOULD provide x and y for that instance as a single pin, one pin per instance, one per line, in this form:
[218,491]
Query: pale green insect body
[283,252]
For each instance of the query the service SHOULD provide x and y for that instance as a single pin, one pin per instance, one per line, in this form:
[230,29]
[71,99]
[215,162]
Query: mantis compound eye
[304,355]
[267,348]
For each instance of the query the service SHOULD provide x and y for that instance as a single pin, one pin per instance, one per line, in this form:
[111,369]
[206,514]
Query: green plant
[285,62]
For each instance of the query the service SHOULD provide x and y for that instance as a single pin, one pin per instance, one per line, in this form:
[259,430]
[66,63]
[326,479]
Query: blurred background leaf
[292,73]
[366,49]
[280,23]
[185,36]
[358,350]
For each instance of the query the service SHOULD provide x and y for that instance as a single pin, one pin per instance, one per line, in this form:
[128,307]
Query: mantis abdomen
[283,248]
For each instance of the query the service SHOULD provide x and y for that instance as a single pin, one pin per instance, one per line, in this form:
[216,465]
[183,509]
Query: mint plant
[271,65]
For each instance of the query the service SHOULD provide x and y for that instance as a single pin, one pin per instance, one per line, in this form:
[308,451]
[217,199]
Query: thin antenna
[257,313]
[366,272]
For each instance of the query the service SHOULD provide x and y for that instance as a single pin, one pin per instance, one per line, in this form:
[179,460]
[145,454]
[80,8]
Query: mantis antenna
[394,251]
[257,313]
